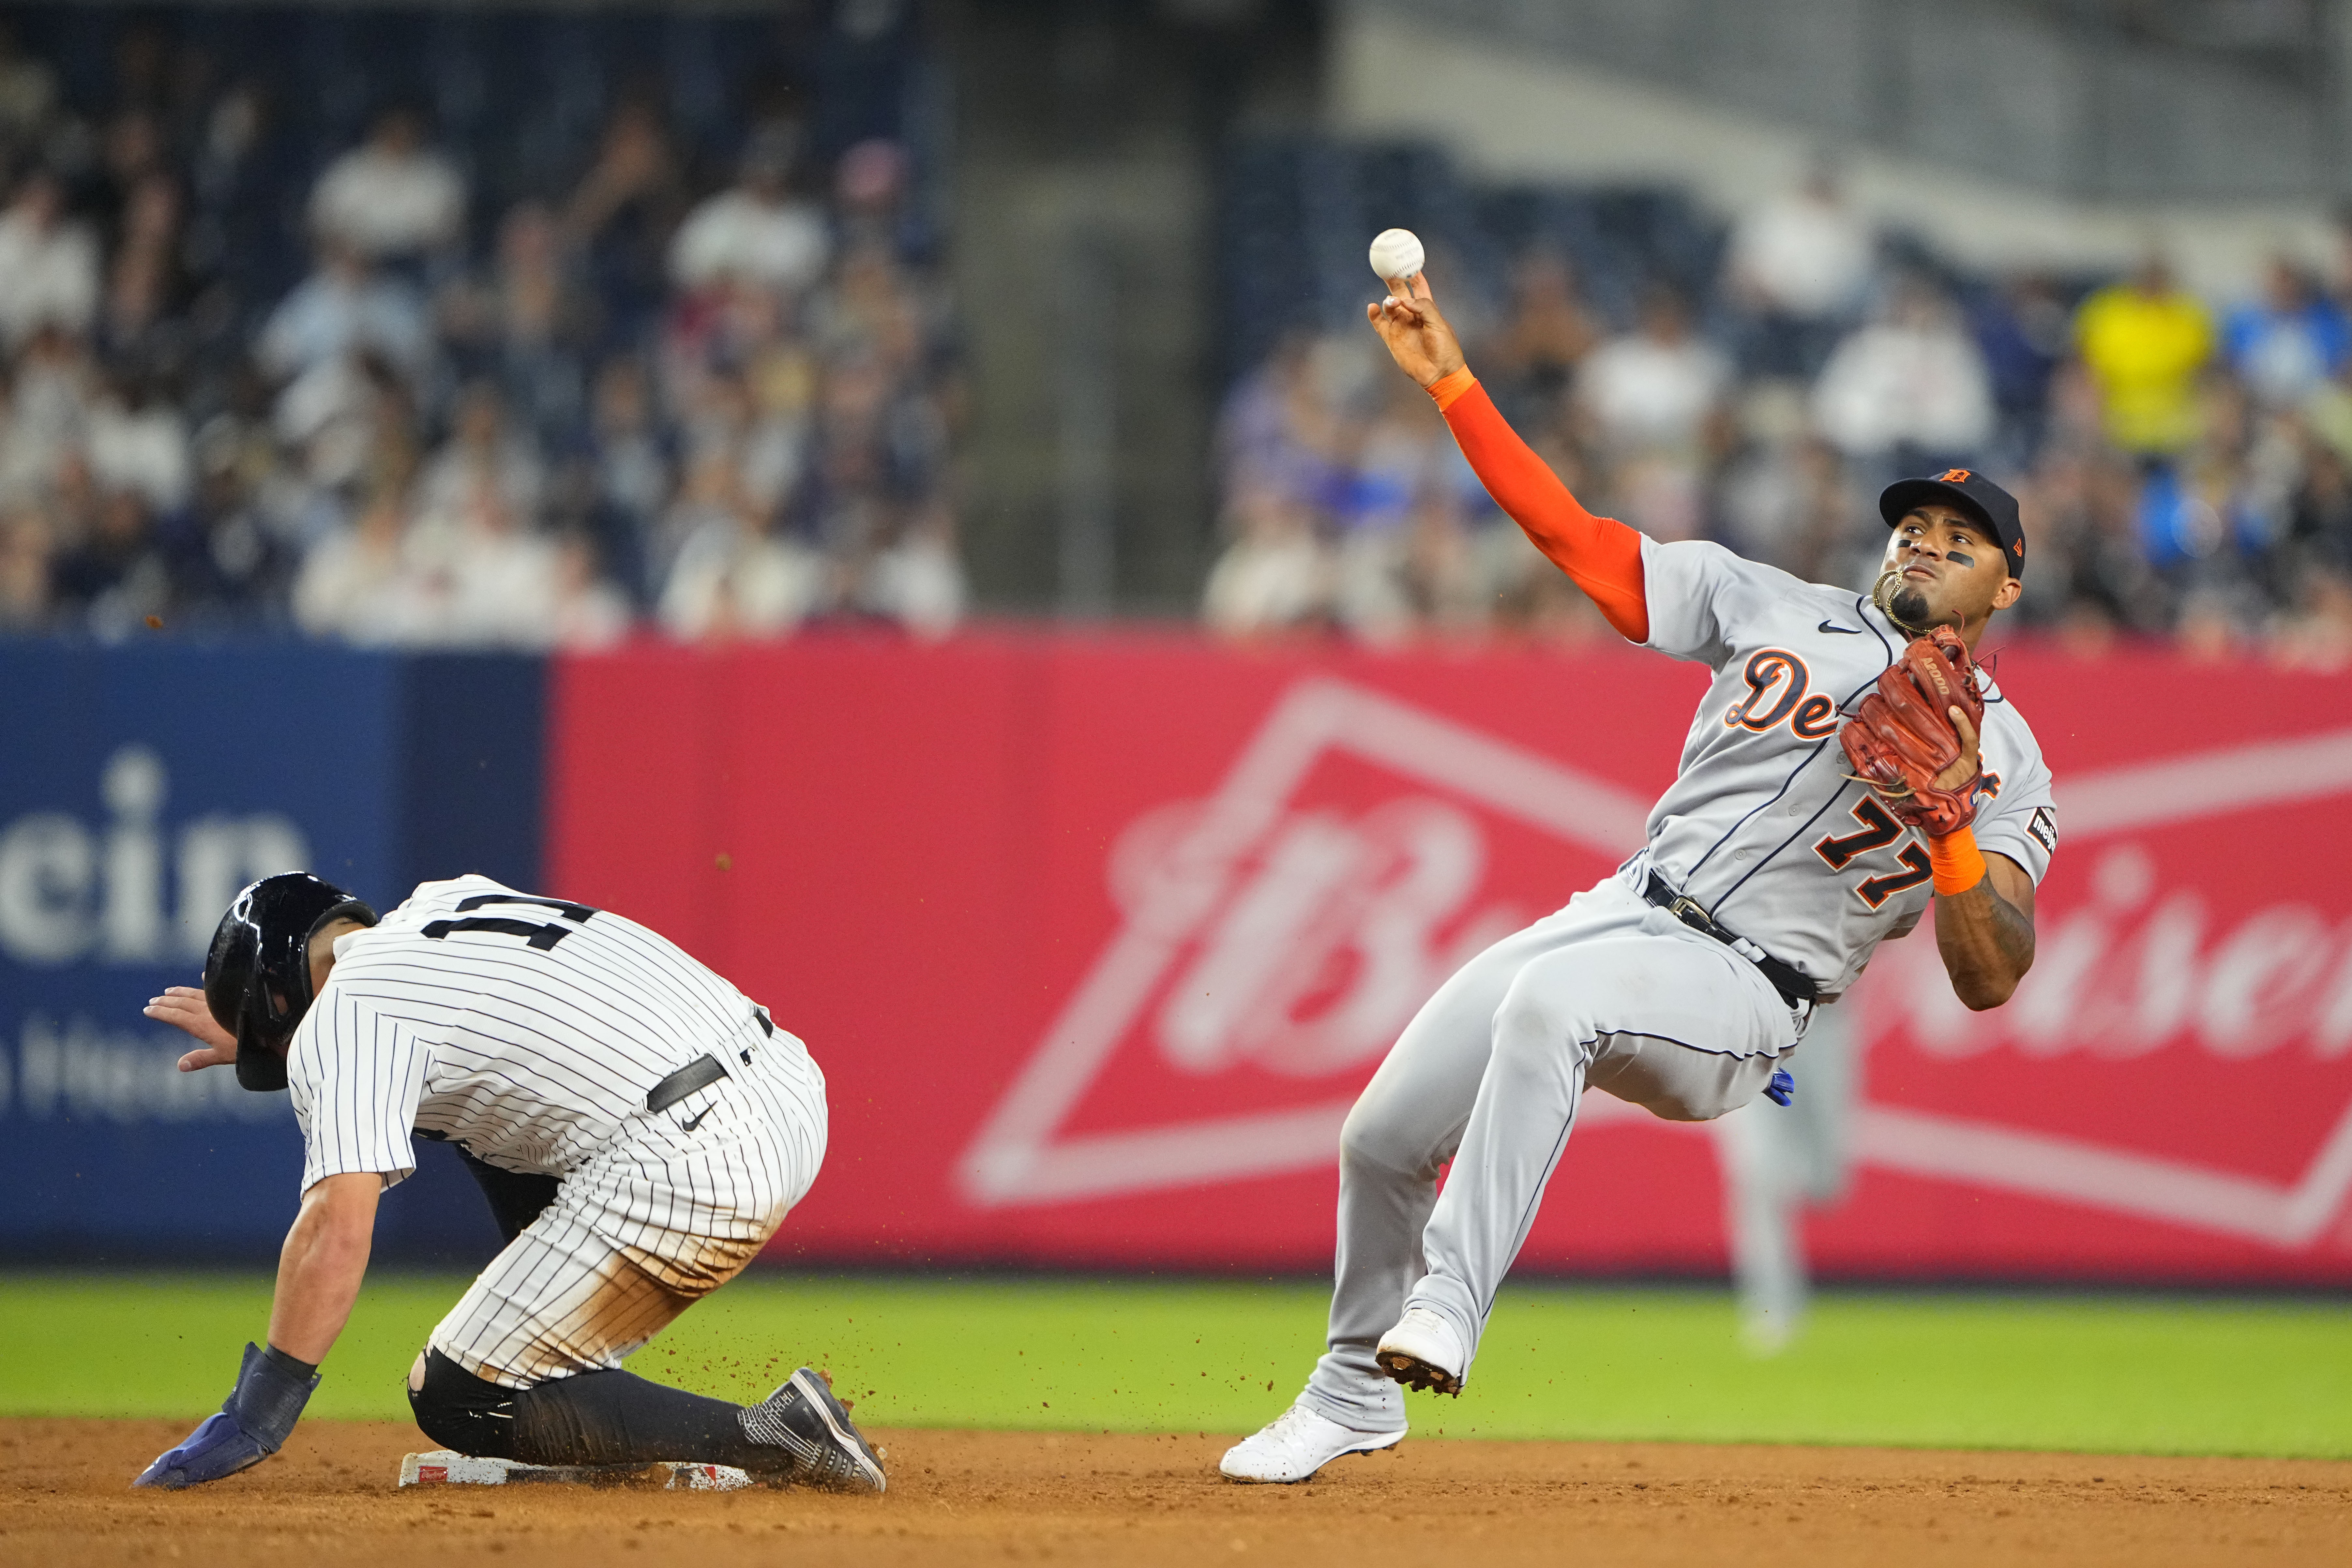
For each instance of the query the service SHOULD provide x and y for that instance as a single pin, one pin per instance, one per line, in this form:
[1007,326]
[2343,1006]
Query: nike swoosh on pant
[1850,631]
[690,1126]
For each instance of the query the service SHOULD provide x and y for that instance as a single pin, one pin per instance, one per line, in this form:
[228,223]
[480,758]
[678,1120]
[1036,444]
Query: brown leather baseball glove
[1901,740]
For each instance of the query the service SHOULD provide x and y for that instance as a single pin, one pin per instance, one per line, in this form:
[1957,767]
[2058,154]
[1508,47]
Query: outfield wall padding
[1095,936]
[139,788]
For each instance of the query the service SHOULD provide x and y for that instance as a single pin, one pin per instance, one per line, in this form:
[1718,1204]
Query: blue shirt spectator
[342,308]
[2022,330]
[2285,345]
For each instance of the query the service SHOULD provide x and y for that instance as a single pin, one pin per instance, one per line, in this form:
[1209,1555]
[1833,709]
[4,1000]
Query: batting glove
[254,1423]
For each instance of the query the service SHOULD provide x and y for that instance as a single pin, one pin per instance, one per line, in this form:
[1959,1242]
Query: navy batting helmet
[258,975]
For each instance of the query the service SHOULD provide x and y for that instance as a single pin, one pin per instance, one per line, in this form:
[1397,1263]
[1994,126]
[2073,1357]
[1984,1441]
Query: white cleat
[1766,1334]
[1295,1445]
[1422,1352]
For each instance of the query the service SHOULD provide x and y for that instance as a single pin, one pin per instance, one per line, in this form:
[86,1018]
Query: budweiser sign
[1098,939]
[1269,929]
[1272,931]
[2184,976]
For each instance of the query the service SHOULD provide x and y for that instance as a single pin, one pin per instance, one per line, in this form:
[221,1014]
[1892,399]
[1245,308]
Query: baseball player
[639,1126]
[1776,1167]
[1684,981]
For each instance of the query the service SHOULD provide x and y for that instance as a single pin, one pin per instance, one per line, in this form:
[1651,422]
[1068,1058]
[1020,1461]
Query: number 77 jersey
[1763,825]
[525,1029]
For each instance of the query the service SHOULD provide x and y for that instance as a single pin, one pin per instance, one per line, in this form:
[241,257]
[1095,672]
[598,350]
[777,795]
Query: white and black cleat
[1424,1351]
[804,1419]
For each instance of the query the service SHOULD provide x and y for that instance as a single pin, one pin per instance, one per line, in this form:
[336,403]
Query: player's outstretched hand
[255,1422]
[219,1448]
[182,1007]
[1408,321]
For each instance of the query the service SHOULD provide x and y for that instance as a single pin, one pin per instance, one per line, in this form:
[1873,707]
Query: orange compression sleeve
[1600,554]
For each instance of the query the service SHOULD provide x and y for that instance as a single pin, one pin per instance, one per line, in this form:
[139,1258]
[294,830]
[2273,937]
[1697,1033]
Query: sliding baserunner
[640,1128]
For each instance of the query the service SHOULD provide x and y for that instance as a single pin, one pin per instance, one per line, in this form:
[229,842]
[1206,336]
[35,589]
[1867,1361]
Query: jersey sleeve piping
[1795,837]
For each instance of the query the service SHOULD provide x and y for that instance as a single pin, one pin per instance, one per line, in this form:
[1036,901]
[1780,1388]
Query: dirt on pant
[993,1497]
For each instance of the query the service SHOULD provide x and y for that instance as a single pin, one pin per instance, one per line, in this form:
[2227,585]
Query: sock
[591,1418]
[618,1419]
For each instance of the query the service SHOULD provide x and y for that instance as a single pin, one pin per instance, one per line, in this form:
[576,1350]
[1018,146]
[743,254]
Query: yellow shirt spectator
[2144,342]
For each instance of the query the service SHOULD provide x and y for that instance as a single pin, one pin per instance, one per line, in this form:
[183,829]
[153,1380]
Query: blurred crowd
[716,394]
[2184,464]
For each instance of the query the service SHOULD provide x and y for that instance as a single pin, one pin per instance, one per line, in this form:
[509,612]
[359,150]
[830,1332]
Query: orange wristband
[1959,865]
[1447,388]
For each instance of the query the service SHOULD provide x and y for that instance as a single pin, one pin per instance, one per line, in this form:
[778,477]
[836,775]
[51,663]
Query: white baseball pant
[1609,993]
[670,1209]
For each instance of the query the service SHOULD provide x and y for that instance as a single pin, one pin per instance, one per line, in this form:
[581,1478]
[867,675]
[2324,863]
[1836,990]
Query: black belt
[701,1073]
[1793,986]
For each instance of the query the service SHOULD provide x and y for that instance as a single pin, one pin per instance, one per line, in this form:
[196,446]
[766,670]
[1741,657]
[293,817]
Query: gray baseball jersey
[1764,829]
[1762,825]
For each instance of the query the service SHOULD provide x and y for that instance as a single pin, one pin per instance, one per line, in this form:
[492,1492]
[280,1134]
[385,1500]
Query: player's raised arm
[1601,555]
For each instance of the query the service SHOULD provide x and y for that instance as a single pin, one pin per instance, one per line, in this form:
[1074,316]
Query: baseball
[1396,253]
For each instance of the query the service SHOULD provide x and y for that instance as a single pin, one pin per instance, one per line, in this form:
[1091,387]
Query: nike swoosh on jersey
[1850,631]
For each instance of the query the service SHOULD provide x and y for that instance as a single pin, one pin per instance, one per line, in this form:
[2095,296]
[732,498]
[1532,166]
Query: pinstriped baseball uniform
[529,1031]
[1761,827]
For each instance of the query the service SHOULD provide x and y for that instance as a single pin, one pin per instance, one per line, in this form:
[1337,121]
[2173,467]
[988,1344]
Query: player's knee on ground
[460,1411]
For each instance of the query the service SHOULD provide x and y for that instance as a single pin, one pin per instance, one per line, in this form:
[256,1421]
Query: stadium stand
[470,328]
[2183,462]
[486,328]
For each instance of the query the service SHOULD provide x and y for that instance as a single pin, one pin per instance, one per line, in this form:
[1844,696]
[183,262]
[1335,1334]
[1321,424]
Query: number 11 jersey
[524,1028]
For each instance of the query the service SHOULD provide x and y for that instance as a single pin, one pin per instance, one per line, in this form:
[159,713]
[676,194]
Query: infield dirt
[973,1497]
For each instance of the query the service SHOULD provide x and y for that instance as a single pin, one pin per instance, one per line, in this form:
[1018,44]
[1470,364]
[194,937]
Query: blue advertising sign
[140,788]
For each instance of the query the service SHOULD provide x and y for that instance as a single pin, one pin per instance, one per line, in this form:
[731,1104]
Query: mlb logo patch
[2045,827]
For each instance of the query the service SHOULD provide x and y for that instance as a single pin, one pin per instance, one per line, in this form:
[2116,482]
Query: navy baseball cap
[1972,493]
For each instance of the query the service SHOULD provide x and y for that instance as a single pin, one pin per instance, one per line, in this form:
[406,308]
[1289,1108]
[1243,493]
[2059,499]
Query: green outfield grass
[2120,1373]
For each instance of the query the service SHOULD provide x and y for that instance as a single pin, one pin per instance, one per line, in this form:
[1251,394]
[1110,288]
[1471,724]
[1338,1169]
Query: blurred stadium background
[857,483]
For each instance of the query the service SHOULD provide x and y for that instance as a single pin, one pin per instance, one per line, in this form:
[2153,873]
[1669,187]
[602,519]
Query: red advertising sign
[1097,939]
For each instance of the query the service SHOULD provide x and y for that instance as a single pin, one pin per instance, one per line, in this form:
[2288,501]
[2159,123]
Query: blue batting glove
[218,1447]
[1782,1089]
[254,1423]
